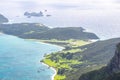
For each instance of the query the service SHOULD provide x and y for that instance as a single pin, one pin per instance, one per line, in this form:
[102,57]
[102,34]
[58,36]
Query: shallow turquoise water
[20,59]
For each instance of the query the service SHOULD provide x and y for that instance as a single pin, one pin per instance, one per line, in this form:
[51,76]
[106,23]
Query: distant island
[48,15]
[35,14]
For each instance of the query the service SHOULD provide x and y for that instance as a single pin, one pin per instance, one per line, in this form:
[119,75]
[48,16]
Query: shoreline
[52,68]
[37,40]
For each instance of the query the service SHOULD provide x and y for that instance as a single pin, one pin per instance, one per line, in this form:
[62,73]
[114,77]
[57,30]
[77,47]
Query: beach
[55,72]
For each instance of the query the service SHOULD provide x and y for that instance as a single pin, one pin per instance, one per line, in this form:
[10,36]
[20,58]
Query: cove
[20,59]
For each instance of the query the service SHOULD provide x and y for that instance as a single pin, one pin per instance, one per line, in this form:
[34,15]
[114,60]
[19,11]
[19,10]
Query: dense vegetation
[109,72]
[65,61]
[39,31]
[101,74]
[114,77]
[21,29]
[3,19]
[75,60]
[66,34]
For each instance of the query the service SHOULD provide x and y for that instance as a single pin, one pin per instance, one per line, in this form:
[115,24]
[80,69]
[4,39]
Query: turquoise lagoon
[20,59]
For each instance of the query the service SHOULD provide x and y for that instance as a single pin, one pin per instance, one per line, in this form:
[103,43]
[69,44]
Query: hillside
[3,19]
[65,34]
[95,56]
[39,31]
[109,72]
[100,51]
[21,29]
[87,58]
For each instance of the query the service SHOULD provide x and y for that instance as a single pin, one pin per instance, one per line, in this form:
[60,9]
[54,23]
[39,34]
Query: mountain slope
[64,34]
[110,72]
[95,56]
[91,57]
[100,51]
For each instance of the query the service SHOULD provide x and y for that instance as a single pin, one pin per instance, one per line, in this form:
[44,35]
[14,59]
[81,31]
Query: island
[80,55]
[40,31]
[33,14]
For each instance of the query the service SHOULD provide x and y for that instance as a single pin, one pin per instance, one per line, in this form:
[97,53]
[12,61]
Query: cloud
[117,1]
[66,4]
[86,4]
[81,4]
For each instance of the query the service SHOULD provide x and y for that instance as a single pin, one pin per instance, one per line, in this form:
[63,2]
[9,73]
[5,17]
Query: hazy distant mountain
[38,31]
[20,29]
[3,19]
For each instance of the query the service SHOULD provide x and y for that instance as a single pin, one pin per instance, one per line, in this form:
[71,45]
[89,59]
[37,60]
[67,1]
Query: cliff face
[114,65]
[110,72]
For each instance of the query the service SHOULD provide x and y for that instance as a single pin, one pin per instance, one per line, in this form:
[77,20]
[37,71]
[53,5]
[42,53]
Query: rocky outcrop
[114,65]
[110,72]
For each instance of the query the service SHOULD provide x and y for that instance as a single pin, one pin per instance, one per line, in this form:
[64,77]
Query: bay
[20,59]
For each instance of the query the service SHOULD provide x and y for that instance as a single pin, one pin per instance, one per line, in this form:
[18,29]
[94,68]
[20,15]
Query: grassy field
[70,43]
[63,61]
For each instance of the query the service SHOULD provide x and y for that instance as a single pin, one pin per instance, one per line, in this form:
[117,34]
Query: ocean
[20,59]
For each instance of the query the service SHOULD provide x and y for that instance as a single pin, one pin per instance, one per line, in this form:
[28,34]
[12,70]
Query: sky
[92,6]
[88,5]
[81,4]
[98,16]
[84,7]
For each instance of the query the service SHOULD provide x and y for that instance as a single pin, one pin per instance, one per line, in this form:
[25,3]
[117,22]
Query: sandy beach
[52,68]
[55,72]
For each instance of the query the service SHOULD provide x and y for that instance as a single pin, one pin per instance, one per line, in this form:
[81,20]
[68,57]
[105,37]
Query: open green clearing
[64,60]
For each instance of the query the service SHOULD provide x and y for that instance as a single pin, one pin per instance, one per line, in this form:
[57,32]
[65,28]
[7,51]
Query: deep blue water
[20,59]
